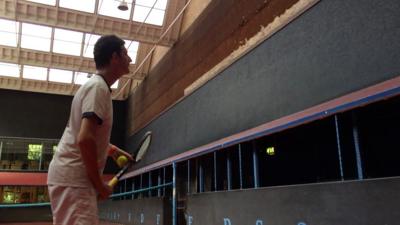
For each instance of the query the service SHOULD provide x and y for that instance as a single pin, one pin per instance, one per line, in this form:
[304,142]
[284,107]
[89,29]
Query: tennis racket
[140,152]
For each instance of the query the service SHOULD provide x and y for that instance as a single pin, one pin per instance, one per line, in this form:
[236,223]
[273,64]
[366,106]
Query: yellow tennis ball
[122,160]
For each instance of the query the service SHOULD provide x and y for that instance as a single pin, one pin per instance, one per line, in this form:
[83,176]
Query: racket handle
[113,182]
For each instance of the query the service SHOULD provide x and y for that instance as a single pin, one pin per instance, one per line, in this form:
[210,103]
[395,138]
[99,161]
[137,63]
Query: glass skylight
[47,2]
[35,37]
[92,39]
[85,6]
[9,69]
[161,4]
[63,76]
[88,48]
[132,47]
[155,17]
[67,42]
[110,8]
[81,78]
[34,72]
[8,32]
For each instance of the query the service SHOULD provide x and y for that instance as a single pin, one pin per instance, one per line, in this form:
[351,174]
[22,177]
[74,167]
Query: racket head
[143,146]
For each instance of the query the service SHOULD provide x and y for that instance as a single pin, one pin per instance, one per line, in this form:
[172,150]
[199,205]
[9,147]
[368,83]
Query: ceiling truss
[54,16]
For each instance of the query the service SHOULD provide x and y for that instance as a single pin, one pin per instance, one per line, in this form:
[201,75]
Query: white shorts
[73,205]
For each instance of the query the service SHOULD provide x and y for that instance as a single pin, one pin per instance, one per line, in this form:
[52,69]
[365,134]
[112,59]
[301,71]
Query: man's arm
[88,148]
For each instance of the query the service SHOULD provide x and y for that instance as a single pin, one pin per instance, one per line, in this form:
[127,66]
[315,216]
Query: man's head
[109,51]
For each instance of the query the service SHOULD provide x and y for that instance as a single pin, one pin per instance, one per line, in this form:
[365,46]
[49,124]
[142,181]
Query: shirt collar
[109,88]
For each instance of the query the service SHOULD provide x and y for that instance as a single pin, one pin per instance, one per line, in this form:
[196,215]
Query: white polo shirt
[67,167]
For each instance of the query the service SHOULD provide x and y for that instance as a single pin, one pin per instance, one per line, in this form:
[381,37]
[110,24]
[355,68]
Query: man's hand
[122,152]
[117,152]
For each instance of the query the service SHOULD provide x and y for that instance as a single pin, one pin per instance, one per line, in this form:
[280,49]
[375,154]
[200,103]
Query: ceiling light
[123,6]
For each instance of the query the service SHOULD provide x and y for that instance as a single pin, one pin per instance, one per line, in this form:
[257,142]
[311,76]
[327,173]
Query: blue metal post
[255,166]
[141,185]
[228,171]
[125,187]
[201,178]
[121,189]
[240,166]
[159,183]
[174,194]
[215,171]
[133,187]
[357,148]
[339,148]
[164,179]
[188,176]
[150,183]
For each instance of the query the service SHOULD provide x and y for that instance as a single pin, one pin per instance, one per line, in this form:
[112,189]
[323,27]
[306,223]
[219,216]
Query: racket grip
[113,182]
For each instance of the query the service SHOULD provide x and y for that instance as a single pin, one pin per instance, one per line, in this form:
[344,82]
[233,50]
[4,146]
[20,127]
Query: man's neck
[110,78]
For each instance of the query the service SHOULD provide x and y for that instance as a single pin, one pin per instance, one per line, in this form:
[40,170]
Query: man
[75,173]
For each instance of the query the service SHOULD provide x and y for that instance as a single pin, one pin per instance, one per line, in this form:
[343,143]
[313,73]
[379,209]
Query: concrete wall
[25,214]
[149,211]
[347,203]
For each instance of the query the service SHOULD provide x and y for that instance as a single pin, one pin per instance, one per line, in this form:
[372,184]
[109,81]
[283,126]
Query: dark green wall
[37,115]
[33,115]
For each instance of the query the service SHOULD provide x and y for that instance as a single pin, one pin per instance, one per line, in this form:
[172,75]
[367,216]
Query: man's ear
[114,56]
